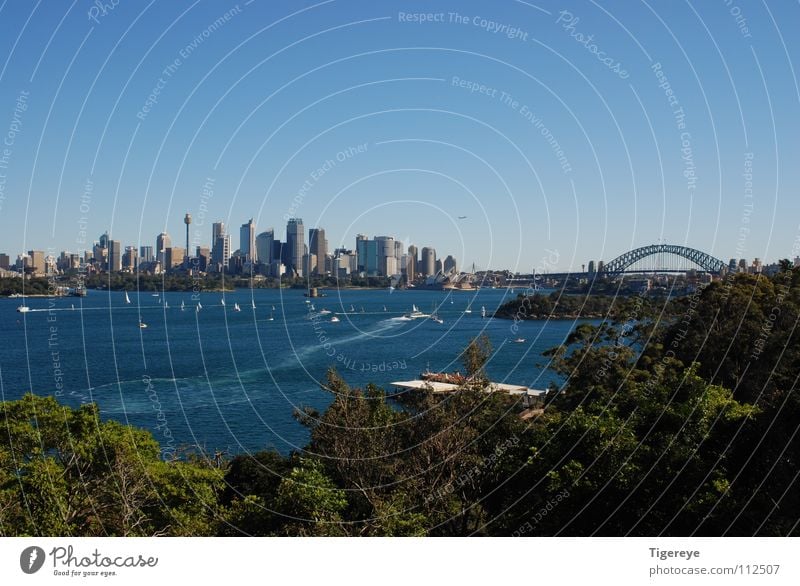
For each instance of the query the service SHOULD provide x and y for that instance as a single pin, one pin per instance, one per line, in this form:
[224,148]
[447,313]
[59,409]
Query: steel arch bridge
[705,261]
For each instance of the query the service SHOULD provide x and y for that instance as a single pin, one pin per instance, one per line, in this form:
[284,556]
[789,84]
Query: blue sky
[560,155]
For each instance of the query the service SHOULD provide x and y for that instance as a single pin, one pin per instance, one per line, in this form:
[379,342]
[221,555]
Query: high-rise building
[203,255]
[114,256]
[450,265]
[296,247]
[387,264]
[173,257]
[4,262]
[264,244]
[427,262]
[412,263]
[163,241]
[37,262]
[591,267]
[146,254]
[130,259]
[317,246]
[220,246]
[367,256]
[247,241]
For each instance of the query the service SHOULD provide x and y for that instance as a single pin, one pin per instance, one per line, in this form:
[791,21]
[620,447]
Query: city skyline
[537,143]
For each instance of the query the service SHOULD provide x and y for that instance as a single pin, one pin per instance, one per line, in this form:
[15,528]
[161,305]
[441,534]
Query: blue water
[226,380]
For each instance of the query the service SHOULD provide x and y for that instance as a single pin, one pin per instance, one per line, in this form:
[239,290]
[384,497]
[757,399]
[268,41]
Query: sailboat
[273,308]
[253,303]
[384,308]
[312,307]
[166,304]
[236,307]
[127,299]
[352,309]
[435,316]
[483,311]
[271,318]
[182,305]
[468,309]
[223,302]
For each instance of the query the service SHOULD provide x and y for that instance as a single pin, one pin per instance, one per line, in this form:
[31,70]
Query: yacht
[222,301]
[437,319]
[384,308]
[236,307]
[335,320]
[483,311]
[271,318]
[352,309]
[127,299]
[23,309]
[183,306]
[142,325]
[415,313]
[468,309]
[324,311]
[166,304]
[519,341]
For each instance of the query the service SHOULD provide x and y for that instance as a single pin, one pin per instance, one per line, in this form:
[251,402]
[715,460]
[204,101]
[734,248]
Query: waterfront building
[428,261]
[114,256]
[318,247]
[295,244]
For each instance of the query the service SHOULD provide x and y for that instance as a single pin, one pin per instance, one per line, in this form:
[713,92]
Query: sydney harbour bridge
[653,258]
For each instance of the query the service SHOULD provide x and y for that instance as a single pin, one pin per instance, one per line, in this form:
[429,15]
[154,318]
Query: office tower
[449,265]
[756,267]
[163,241]
[114,256]
[264,244]
[220,246]
[146,254]
[439,266]
[386,260]
[367,256]
[732,265]
[600,266]
[412,263]
[247,241]
[4,261]
[187,219]
[130,259]
[36,262]
[203,255]
[104,240]
[317,246]
[295,243]
[427,262]
[591,267]
[100,256]
[742,265]
[173,257]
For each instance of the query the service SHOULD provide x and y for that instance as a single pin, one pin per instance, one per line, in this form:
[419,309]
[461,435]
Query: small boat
[127,299]
[183,306]
[154,295]
[391,288]
[415,313]
[142,325]
[362,309]
[312,307]
[223,302]
[437,319]
[519,341]
[166,304]
[324,311]
[352,309]
[483,311]
[468,310]
[271,318]
[236,307]
[273,308]
[335,320]
[308,301]
[23,309]
[73,307]
[384,308]
[253,304]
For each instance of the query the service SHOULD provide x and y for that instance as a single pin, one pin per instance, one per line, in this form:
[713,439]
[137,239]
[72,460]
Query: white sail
[127,299]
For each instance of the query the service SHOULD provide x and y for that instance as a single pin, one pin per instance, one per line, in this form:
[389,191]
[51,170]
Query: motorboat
[142,325]
[415,313]
[324,311]
[519,341]
[23,309]
[335,320]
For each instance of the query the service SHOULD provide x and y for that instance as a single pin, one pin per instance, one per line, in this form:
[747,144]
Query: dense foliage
[673,420]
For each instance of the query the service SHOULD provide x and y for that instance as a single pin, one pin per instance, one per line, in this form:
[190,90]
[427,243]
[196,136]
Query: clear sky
[564,131]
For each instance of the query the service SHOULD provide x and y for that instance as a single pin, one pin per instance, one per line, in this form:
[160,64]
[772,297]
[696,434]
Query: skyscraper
[387,264]
[449,265]
[317,246]
[295,242]
[114,256]
[220,246]
[146,254]
[264,246]
[163,241]
[247,241]
[428,261]
[412,263]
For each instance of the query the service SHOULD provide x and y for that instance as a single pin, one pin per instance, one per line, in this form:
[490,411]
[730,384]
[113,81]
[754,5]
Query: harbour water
[230,380]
